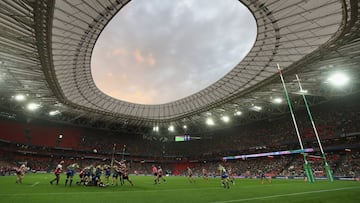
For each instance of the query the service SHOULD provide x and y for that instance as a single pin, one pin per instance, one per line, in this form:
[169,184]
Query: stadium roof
[46,48]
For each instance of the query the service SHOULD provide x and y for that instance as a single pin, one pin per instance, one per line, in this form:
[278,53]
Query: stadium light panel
[256,108]
[32,106]
[53,113]
[277,100]
[171,128]
[303,91]
[226,119]
[20,97]
[237,113]
[210,121]
[338,79]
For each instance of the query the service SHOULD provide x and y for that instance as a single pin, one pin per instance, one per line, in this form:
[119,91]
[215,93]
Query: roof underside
[46,49]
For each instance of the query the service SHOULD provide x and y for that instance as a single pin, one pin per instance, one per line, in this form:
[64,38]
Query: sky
[156,52]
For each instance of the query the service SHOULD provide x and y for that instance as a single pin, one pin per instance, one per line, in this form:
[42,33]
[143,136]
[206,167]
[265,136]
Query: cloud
[119,52]
[151,60]
[139,58]
[172,50]
[123,76]
[110,74]
[139,96]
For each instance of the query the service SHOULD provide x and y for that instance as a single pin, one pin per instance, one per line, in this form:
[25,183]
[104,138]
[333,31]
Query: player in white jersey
[57,173]
[125,173]
[122,167]
[20,172]
[160,175]
[190,175]
[205,174]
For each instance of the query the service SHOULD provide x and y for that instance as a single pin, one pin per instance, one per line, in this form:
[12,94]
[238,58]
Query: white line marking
[36,183]
[287,195]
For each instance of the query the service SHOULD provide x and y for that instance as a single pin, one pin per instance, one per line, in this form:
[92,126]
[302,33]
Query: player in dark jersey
[231,177]
[224,176]
[263,177]
[88,173]
[70,173]
[97,178]
[115,175]
[107,169]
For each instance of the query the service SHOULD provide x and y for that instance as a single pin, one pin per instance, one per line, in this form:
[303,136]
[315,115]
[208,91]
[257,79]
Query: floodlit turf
[36,188]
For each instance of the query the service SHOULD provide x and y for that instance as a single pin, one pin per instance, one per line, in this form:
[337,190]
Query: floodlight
[20,97]
[338,79]
[256,108]
[53,113]
[210,121]
[225,119]
[185,126]
[171,128]
[32,106]
[303,91]
[237,113]
[277,100]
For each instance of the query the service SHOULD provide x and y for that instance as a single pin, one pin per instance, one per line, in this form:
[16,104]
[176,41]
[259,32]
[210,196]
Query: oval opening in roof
[156,52]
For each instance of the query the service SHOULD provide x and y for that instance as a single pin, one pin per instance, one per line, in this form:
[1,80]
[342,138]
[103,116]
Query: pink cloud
[119,52]
[124,76]
[109,74]
[139,97]
[138,56]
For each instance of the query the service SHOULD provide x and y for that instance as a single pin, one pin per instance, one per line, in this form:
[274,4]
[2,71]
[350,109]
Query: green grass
[36,188]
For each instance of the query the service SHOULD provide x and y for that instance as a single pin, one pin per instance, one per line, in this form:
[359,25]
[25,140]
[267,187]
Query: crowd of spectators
[344,163]
[333,121]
